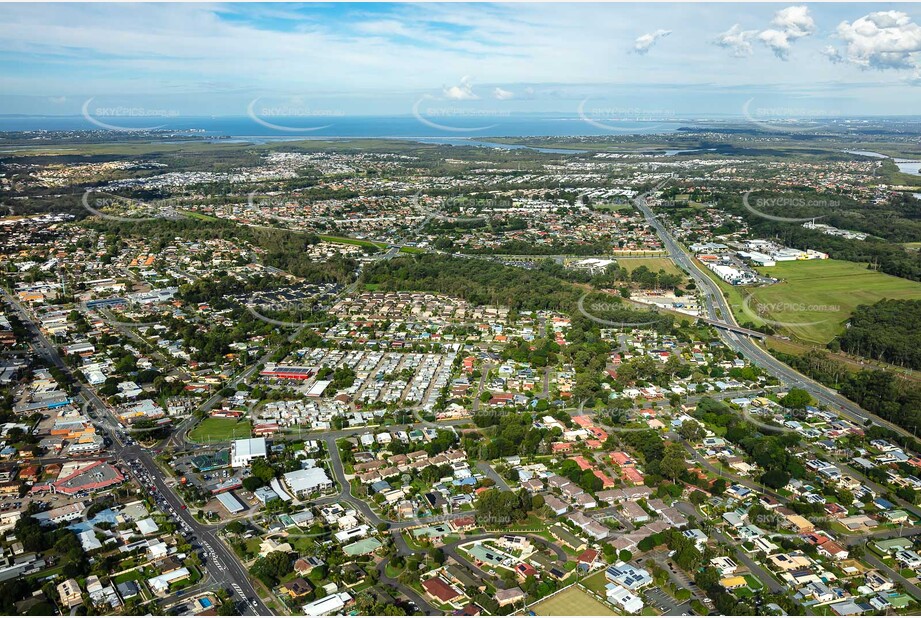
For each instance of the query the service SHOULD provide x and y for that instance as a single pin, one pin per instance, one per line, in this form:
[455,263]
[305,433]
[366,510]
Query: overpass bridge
[732,328]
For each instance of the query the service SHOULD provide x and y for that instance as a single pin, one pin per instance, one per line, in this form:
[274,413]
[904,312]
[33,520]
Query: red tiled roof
[581,462]
[439,589]
[588,556]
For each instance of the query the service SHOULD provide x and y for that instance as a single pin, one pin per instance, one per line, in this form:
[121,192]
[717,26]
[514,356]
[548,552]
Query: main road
[718,309]
[222,563]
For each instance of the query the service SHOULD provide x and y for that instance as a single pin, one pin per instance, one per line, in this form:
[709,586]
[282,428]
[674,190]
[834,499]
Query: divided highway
[718,310]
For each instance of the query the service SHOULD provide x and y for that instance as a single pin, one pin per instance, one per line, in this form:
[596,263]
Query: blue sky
[649,60]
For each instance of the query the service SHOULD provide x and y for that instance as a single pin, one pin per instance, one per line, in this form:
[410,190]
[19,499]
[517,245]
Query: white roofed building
[243,452]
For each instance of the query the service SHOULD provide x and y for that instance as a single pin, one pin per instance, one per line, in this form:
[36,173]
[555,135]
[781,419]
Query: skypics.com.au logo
[757,208]
[625,119]
[759,312]
[595,308]
[785,119]
[461,109]
[133,211]
[108,117]
[291,115]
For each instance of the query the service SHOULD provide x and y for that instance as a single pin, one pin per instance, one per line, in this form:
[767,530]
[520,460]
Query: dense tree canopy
[889,330]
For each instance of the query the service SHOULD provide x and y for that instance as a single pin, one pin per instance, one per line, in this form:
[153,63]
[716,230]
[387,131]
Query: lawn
[572,602]
[818,296]
[596,582]
[753,582]
[655,264]
[199,215]
[126,577]
[352,241]
[220,430]
[743,593]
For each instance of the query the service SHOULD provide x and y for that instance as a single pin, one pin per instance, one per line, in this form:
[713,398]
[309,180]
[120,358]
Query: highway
[718,310]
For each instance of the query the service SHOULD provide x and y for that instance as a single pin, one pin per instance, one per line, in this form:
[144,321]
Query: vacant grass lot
[655,264]
[818,296]
[572,602]
[352,241]
[220,430]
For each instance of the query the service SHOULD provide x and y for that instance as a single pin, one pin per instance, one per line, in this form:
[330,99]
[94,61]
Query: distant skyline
[469,61]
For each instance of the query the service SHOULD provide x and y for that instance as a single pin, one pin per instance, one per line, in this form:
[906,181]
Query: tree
[252,483]
[775,478]
[796,399]
[235,527]
[499,507]
[691,431]
[262,470]
[674,462]
[271,568]
[707,578]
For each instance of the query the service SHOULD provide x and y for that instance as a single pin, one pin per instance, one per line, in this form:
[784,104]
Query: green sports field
[816,297]
[572,602]
[220,430]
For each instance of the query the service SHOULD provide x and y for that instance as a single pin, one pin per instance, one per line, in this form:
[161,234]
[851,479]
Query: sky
[643,61]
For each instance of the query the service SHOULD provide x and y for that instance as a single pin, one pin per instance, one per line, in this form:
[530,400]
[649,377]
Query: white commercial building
[625,599]
[230,503]
[318,387]
[242,452]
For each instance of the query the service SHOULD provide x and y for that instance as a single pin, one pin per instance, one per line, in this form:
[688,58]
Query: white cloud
[461,92]
[777,40]
[795,21]
[737,40]
[644,42]
[204,58]
[833,54]
[502,95]
[789,24]
[882,40]
[792,23]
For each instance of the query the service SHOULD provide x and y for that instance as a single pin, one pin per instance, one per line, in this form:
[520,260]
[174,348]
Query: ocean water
[249,129]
